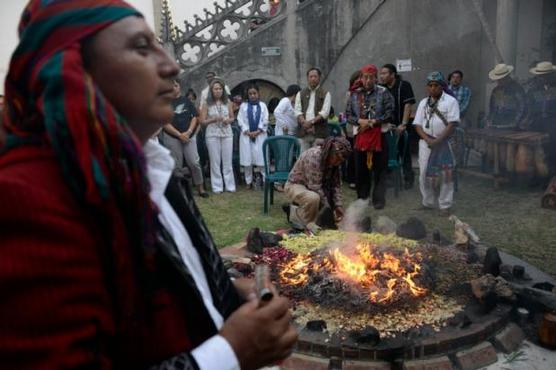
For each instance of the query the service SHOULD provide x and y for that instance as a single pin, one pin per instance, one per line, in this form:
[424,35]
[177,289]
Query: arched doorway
[268,90]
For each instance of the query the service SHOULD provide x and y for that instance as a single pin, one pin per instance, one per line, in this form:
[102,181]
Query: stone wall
[340,36]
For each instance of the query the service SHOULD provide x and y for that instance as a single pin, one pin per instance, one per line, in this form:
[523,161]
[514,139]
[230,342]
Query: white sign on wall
[403,65]
[271,51]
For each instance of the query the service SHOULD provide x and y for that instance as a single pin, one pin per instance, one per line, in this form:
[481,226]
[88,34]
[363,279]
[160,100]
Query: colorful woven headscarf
[369,69]
[52,100]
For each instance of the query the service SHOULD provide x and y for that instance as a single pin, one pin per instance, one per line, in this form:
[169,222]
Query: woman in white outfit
[217,116]
[253,122]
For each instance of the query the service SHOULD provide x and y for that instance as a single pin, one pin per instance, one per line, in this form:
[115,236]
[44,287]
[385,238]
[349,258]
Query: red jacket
[56,310]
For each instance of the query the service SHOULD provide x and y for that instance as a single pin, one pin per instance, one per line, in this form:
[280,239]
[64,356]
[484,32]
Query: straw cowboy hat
[500,71]
[543,68]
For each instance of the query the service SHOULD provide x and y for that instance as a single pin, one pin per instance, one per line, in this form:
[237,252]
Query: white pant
[446,195]
[248,170]
[220,150]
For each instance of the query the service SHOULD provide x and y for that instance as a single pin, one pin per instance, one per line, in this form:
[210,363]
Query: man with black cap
[286,122]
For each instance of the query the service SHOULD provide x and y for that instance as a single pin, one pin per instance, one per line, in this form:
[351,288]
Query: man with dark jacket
[404,99]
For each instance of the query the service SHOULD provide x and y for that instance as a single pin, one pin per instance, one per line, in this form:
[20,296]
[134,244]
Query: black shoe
[286,208]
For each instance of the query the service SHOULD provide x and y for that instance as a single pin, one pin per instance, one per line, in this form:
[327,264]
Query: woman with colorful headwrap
[105,261]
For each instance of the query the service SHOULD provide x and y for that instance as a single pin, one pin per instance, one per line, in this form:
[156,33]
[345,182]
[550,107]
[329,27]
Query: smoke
[356,218]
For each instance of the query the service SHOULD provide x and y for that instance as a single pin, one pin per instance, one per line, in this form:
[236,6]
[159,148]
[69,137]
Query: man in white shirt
[286,121]
[435,121]
[312,107]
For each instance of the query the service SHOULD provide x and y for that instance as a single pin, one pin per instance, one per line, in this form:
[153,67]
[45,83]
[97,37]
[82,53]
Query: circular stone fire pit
[369,301]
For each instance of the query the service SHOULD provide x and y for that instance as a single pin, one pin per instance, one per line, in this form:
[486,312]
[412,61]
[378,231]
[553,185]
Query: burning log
[365,279]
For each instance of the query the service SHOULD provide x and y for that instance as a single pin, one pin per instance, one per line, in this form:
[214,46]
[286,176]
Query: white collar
[160,165]
[315,89]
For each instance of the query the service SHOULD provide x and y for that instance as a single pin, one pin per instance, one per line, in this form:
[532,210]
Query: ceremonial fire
[381,275]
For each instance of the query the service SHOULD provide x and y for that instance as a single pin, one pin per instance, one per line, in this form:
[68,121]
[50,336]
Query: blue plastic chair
[283,150]
[395,158]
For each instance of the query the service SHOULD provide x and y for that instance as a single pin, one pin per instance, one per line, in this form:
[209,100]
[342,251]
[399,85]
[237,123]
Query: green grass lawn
[510,219]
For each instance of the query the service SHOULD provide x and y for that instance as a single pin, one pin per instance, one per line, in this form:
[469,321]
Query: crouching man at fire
[314,183]
[435,121]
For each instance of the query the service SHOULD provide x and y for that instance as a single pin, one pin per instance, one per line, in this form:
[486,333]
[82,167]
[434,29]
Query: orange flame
[384,275]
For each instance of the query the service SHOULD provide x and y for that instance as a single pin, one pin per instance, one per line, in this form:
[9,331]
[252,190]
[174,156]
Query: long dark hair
[210,97]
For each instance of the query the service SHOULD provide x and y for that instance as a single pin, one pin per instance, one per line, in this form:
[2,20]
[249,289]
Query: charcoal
[270,240]
[544,286]
[460,320]
[518,271]
[413,229]
[472,257]
[316,325]
[506,272]
[364,225]
[436,236]
[325,219]
[384,225]
[368,335]
[255,241]
[492,262]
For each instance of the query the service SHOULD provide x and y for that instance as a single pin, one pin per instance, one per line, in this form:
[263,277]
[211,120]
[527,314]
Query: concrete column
[506,29]
[157,10]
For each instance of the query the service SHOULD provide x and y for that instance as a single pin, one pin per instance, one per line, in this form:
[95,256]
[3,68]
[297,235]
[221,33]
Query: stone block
[477,357]
[303,362]
[510,338]
[438,363]
[366,365]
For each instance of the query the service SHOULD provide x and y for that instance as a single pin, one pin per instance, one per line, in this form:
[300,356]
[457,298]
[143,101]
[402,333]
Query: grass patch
[510,219]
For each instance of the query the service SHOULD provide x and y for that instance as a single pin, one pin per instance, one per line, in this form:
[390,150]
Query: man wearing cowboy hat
[541,97]
[507,101]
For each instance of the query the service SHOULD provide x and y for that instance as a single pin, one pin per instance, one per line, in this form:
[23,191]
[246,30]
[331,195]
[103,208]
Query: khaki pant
[308,204]
[187,151]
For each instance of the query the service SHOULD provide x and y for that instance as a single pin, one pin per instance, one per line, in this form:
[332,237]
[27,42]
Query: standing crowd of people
[381,125]
[106,261]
